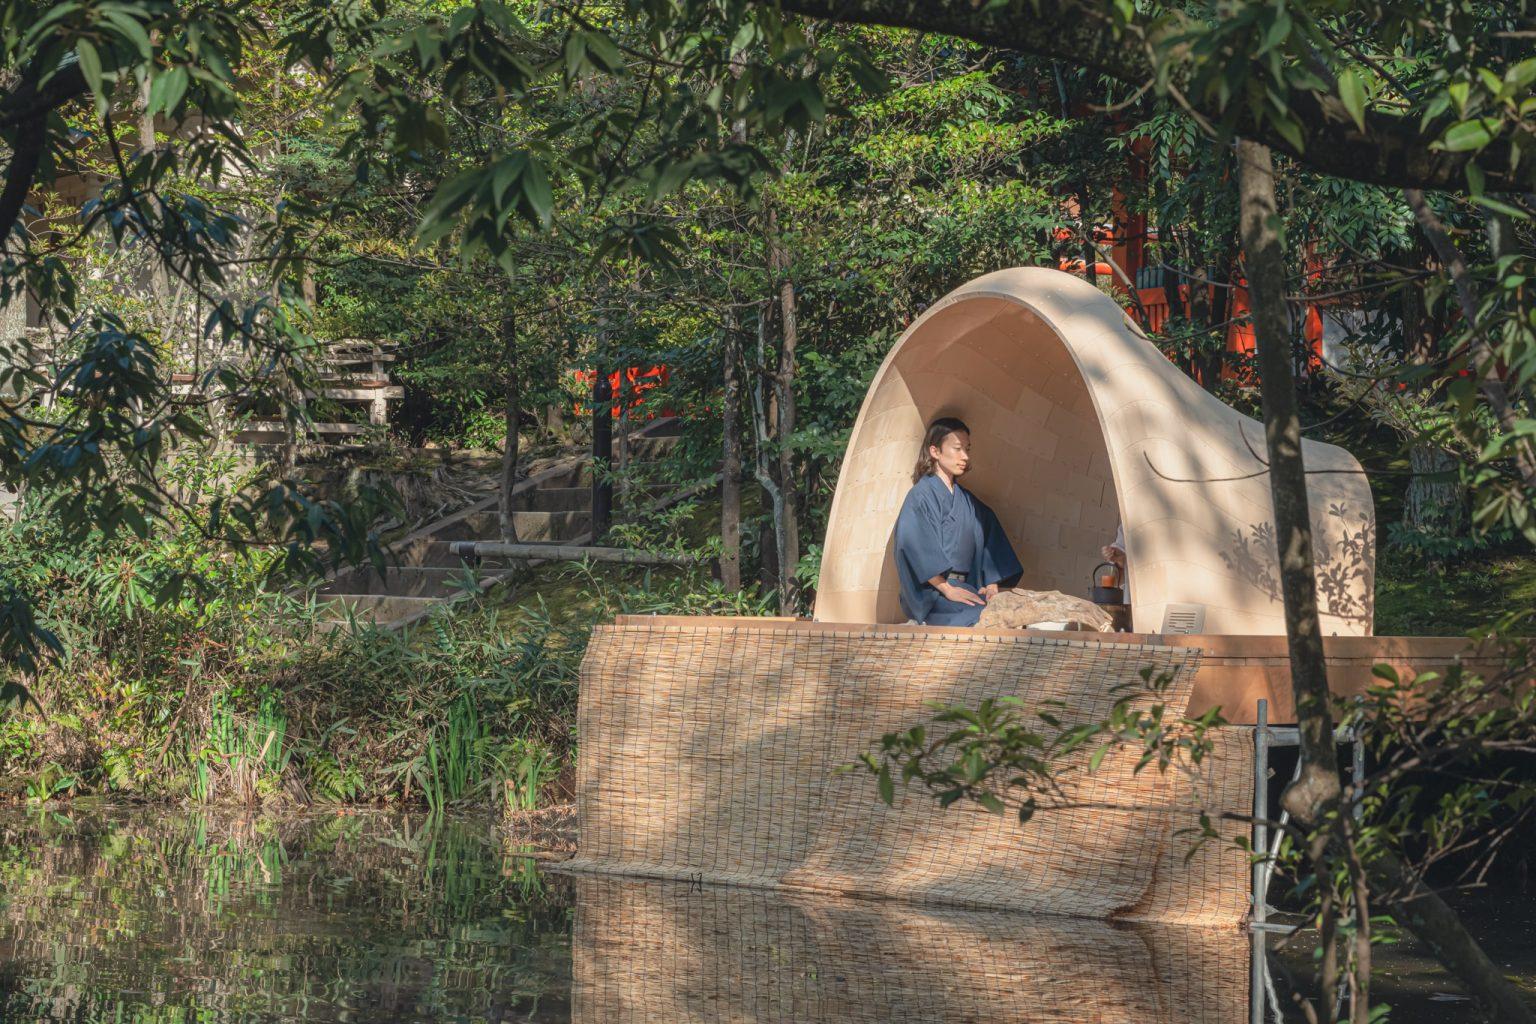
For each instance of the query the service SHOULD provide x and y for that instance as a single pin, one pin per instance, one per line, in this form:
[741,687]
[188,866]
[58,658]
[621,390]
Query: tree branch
[1484,360]
[1390,151]
[29,141]
[29,100]
[24,119]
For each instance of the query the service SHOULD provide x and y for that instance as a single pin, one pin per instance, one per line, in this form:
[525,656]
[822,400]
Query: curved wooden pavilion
[1079,424]
[710,745]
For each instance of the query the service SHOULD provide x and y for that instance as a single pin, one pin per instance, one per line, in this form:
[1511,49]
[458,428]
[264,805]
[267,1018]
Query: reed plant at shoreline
[245,693]
[237,688]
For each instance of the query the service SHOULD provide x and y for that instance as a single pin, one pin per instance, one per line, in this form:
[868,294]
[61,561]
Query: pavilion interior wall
[1041,461]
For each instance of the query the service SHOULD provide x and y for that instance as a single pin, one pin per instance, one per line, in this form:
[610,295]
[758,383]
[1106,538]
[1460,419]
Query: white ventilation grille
[1184,618]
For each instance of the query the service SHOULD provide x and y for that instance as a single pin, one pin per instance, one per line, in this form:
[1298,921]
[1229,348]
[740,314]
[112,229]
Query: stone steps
[554,499]
[380,608]
[408,581]
[427,554]
[572,499]
[531,526]
[551,506]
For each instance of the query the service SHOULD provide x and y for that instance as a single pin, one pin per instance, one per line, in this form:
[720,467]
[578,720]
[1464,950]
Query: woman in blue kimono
[951,553]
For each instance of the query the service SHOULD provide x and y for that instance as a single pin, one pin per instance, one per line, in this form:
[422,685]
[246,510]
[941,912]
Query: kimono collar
[945,495]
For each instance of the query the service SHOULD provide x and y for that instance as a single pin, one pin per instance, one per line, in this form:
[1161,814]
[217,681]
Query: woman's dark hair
[938,430]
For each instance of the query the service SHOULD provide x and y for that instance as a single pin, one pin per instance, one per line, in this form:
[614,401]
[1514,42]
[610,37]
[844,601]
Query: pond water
[177,918]
[145,916]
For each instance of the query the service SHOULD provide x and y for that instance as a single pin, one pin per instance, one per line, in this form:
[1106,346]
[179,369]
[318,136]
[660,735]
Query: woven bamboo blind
[653,952]
[708,753]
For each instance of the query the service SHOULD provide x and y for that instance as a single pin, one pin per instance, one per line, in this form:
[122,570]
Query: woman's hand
[1113,555]
[989,591]
[960,595]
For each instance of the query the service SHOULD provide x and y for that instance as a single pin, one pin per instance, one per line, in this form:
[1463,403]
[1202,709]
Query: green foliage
[242,693]
[1004,754]
[49,783]
[454,756]
[513,191]
[241,760]
[1452,775]
[533,769]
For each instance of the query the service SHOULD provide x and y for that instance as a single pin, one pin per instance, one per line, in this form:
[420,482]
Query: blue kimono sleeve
[920,554]
[996,556]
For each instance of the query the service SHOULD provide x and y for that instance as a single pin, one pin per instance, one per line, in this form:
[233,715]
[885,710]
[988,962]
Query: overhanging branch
[29,100]
[1391,151]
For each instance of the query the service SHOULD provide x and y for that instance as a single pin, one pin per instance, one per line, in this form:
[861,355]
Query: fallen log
[532,551]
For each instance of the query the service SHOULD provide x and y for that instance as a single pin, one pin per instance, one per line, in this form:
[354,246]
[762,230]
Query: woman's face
[953,455]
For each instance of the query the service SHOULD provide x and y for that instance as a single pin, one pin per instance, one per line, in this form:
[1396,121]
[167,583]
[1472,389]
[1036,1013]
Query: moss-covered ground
[1417,598]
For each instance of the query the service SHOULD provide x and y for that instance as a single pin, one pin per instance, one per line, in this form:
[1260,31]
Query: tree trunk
[1436,502]
[1167,247]
[602,446]
[1421,330]
[507,518]
[1213,357]
[1423,912]
[621,452]
[730,463]
[762,466]
[1317,785]
[768,557]
[1199,312]
[1317,788]
[1090,254]
[159,276]
[786,503]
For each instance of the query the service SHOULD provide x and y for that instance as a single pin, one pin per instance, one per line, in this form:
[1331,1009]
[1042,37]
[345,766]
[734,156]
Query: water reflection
[663,952]
[163,918]
[139,917]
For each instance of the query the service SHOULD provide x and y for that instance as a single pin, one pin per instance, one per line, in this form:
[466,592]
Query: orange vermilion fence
[1239,331]
[628,385]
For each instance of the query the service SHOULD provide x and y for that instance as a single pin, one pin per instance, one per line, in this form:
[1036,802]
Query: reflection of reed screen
[649,951]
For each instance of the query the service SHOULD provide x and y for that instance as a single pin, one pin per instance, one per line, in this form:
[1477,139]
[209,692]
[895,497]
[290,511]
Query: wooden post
[602,452]
[378,409]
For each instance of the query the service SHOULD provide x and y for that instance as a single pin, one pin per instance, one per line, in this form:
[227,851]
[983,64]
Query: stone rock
[1015,609]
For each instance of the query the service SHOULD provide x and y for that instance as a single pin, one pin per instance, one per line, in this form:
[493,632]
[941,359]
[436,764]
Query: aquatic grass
[533,769]
[246,758]
[49,784]
[277,704]
[451,766]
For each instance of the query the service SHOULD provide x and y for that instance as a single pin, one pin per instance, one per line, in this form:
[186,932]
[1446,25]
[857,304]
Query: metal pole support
[1357,771]
[1260,812]
[1260,852]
